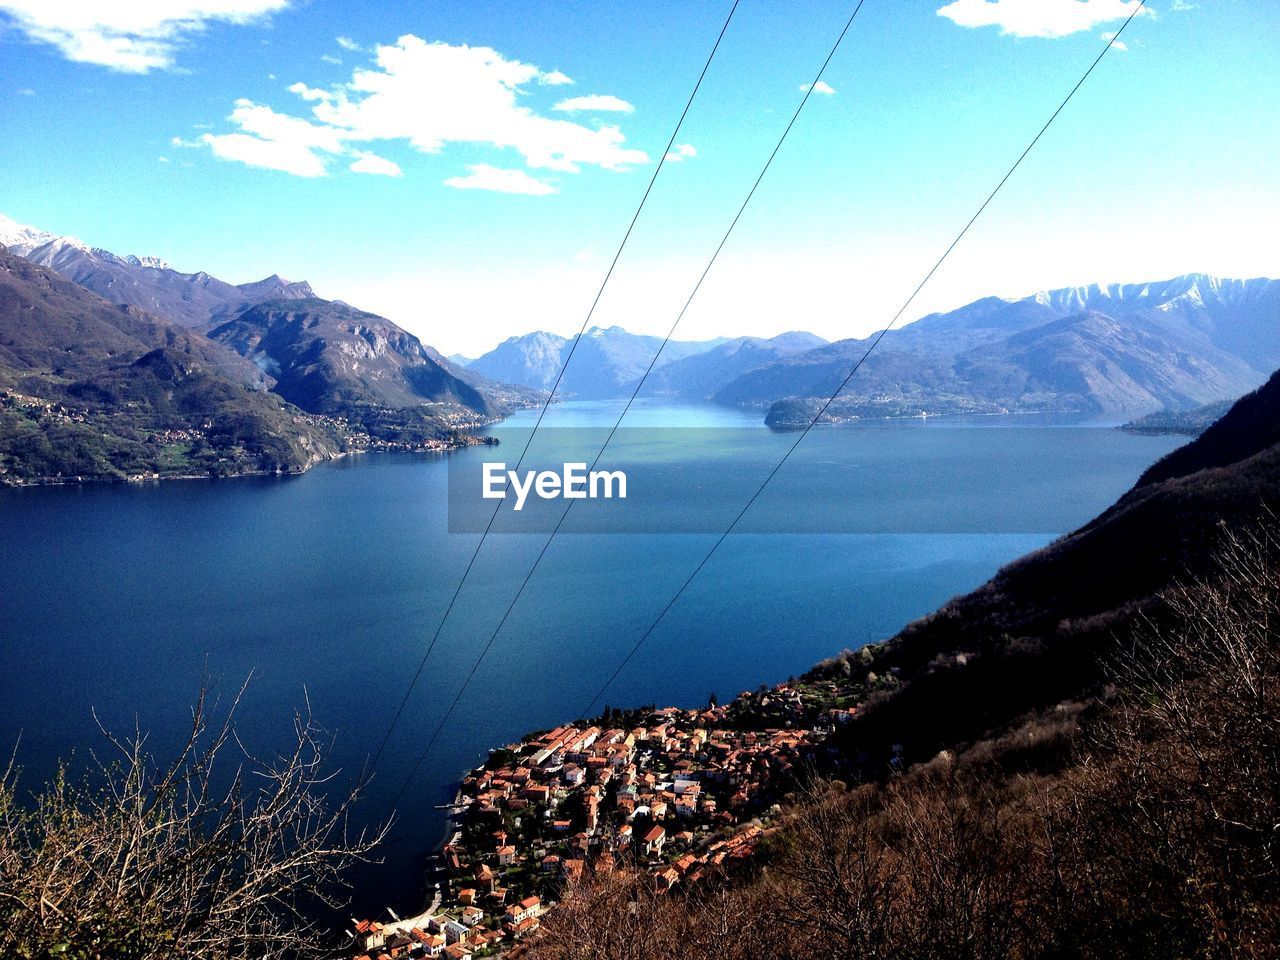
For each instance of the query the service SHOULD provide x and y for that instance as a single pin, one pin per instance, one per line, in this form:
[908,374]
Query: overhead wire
[808,92]
[372,764]
[1111,42]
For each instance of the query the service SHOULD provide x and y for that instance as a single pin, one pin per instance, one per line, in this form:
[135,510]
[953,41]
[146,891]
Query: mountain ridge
[407,392]
[95,391]
[1173,344]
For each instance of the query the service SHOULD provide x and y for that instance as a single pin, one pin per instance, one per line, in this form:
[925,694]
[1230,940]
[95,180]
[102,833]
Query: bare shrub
[144,860]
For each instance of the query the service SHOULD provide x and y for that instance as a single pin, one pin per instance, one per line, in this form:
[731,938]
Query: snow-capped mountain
[1136,347]
[43,247]
[146,282]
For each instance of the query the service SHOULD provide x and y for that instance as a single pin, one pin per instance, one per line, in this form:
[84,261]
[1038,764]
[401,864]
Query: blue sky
[222,135]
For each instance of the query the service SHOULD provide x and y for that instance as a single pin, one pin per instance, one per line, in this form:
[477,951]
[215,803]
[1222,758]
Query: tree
[215,854]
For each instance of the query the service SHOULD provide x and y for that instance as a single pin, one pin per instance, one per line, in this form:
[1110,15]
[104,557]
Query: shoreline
[81,481]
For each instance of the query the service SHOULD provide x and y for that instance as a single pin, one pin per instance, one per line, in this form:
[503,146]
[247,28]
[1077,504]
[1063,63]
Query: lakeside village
[685,795]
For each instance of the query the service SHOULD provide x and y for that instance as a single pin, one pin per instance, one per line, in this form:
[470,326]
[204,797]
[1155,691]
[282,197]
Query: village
[684,795]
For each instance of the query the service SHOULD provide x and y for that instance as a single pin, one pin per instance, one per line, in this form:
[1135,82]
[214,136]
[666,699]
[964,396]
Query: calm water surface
[120,598]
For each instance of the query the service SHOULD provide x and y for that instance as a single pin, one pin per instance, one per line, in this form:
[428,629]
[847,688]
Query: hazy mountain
[1190,423]
[699,376]
[459,360]
[607,364]
[93,390]
[532,359]
[1176,344]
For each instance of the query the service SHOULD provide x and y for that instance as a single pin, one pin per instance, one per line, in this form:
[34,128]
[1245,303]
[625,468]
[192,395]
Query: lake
[120,598]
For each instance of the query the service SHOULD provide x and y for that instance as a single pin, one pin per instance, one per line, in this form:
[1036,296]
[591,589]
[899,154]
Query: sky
[467,168]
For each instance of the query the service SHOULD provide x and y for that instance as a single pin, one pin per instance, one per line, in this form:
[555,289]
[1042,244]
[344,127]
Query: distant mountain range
[1121,349]
[609,362]
[85,394]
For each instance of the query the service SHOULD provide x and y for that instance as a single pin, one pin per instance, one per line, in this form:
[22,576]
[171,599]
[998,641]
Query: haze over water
[120,598]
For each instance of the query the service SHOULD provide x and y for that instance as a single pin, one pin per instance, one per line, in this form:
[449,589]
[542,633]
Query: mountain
[1138,347]
[701,375]
[91,390]
[1191,423]
[532,359]
[148,283]
[607,364]
[328,357]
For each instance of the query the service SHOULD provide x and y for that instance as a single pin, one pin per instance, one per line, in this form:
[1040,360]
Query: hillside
[1121,349]
[1189,423]
[327,357]
[342,362]
[1079,759]
[95,391]
[1033,635]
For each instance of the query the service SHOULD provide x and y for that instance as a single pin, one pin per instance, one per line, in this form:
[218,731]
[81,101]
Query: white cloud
[162,160]
[553,79]
[308,93]
[821,87]
[276,141]
[596,102]
[133,37]
[1037,18]
[431,95]
[346,43]
[482,176]
[331,59]
[1110,37]
[367,162]
[25,92]
[681,151]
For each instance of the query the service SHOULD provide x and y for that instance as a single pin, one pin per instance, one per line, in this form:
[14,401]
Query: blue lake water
[120,598]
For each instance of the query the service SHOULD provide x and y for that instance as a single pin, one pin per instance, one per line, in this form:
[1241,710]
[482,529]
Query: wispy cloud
[430,95]
[132,37]
[553,78]
[367,162]
[681,151]
[1110,37]
[346,43]
[1037,18]
[596,102]
[822,87]
[483,176]
[276,141]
